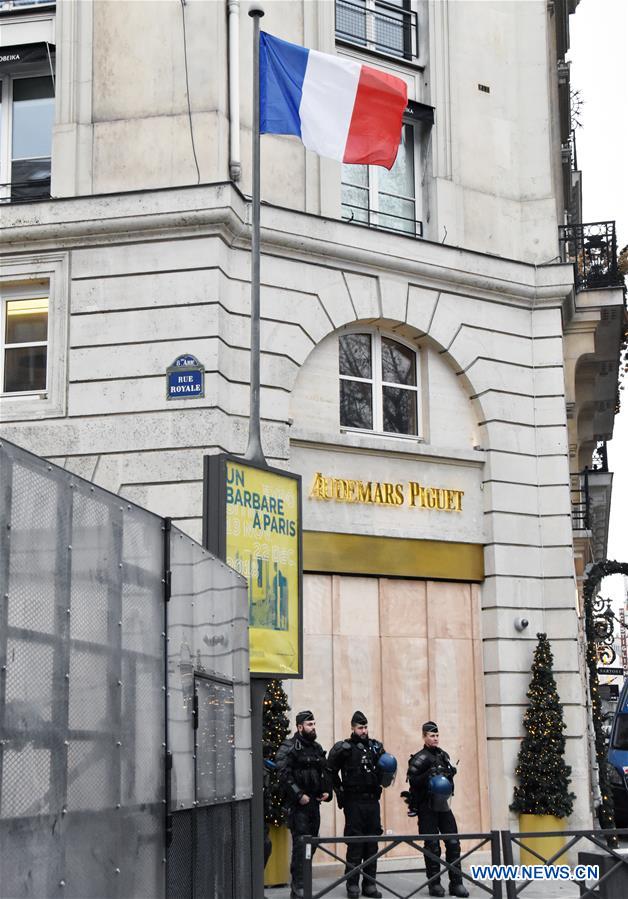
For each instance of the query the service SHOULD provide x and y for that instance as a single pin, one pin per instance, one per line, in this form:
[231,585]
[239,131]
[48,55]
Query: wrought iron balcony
[386,27]
[592,248]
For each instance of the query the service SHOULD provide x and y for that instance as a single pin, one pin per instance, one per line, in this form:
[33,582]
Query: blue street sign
[185,378]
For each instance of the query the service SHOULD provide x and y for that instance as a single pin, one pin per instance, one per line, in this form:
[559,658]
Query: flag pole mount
[254,451]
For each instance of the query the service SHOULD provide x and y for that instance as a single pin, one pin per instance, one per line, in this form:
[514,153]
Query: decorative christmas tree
[276,728]
[544,777]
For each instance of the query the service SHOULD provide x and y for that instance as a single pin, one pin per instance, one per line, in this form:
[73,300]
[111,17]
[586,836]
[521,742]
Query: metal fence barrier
[613,866]
[125,732]
[595,848]
[484,842]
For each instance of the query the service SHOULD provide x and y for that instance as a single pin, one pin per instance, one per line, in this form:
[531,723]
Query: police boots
[371,891]
[457,889]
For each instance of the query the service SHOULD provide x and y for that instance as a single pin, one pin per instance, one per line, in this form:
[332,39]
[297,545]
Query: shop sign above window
[386,493]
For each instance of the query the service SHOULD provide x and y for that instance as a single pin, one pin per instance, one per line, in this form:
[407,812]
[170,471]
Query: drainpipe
[233,13]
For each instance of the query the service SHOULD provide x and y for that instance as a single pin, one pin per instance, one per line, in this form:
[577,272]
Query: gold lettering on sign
[386,493]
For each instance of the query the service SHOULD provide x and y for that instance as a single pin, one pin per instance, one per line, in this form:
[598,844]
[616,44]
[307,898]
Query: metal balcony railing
[390,28]
[25,191]
[580,502]
[20,4]
[592,249]
[383,221]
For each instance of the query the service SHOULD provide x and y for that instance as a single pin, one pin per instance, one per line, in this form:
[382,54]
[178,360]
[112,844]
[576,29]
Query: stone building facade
[443,356]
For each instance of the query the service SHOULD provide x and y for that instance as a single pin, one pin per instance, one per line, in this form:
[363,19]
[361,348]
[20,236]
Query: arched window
[378,384]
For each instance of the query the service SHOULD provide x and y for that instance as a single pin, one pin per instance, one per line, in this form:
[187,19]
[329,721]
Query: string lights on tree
[544,778]
[276,726]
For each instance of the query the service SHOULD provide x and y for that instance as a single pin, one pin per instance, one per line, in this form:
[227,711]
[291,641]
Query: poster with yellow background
[262,544]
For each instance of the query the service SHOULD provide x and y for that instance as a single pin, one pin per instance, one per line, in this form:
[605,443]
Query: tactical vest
[359,769]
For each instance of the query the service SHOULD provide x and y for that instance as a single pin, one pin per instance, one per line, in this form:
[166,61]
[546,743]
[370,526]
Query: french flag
[337,106]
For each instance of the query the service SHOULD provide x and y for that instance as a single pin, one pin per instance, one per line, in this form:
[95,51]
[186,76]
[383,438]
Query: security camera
[521,624]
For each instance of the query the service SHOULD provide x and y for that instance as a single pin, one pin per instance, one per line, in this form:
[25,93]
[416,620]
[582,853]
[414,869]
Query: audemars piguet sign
[386,493]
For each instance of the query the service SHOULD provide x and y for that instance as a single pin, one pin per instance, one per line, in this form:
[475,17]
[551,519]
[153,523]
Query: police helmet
[387,767]
[440,790]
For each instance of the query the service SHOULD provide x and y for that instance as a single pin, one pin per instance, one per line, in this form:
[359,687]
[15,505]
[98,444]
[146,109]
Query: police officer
[357,784]
[429,770]
[306,783]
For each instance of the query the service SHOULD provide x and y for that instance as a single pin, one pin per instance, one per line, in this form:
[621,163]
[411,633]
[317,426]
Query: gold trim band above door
[334,553]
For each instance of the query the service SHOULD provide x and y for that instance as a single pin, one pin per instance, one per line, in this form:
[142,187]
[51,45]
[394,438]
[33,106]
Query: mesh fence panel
[180,856]
[242,837]
[82,717]
[208,659]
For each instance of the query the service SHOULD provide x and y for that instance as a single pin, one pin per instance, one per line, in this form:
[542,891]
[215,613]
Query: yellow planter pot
[545,846]
[277,871]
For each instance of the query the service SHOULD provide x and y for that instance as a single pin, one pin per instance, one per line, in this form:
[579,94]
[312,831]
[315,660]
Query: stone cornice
[221,209]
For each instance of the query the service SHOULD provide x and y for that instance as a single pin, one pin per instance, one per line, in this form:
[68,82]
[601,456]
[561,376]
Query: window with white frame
[385,26]
[379,388]
[26,120]
[24,341]
[34,293]
[382,198]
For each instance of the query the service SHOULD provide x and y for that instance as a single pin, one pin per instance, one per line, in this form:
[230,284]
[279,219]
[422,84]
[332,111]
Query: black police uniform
[353,764]
[303,770]
[422,765]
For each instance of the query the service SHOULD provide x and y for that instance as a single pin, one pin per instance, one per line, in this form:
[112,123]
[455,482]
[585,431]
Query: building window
[33,336]
[384,26]
[379,198]
[26,120]
[24,345]
[378,384]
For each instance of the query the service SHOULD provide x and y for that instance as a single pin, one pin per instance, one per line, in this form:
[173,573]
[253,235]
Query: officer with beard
[357,783]
[306,782]
[430,770]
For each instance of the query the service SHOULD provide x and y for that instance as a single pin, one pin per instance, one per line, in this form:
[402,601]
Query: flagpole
[254,451]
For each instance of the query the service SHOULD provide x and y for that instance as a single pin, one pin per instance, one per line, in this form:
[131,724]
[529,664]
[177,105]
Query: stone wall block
[394,298]
[550,410]
[547,322]
[555,500]
[298,307]
[510,467]
[548,351]
[527,593]
[553,469]
[487,375]
[364,291]
[516,560]
[508,407]
[148,290]
[508,435]
[421,305]
[509,497]
[507,527]
[471,343]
